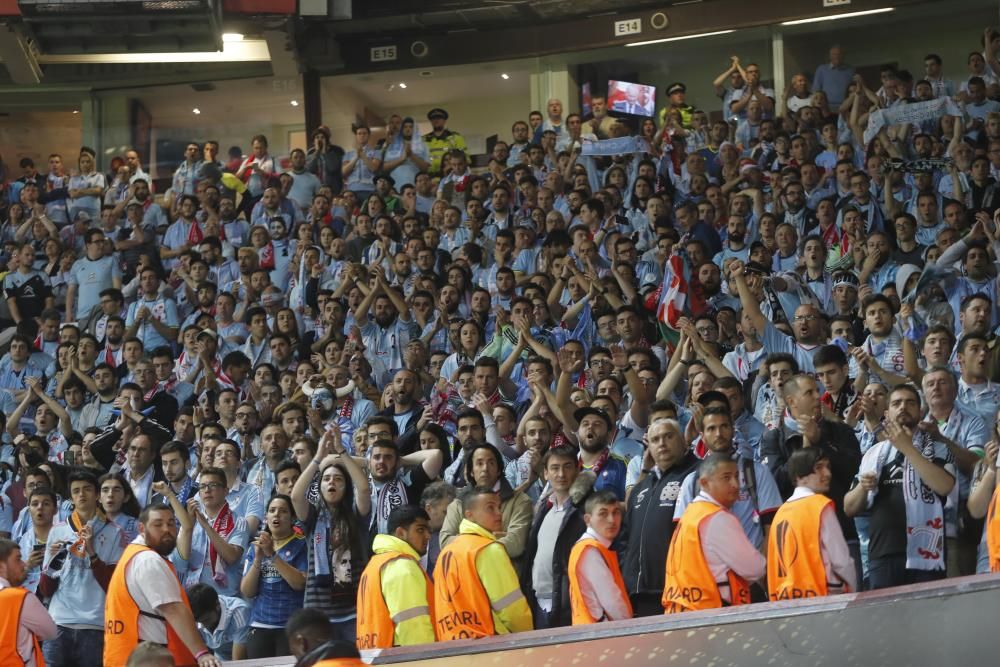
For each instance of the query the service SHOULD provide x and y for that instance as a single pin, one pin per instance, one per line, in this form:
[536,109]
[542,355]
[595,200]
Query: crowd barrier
[940,623]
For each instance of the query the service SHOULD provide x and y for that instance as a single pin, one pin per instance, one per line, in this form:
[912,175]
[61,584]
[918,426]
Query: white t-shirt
[151,583]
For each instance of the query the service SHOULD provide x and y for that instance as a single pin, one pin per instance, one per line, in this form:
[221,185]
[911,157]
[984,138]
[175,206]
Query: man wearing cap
[325,159]
[440,141]
[593,434]
[405,155]
[677,93]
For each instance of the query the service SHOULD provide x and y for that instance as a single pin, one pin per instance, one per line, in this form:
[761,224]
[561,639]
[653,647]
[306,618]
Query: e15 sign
[628,27]
[383,53]
[835,3]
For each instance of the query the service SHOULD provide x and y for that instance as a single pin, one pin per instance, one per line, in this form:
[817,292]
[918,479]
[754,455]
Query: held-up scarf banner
[910,113]
[619,146]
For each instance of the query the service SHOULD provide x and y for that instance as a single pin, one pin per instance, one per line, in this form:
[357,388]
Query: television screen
[631,98]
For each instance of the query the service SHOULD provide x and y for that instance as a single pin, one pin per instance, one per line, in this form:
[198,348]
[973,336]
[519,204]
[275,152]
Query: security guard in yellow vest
[395,596]
[440,140]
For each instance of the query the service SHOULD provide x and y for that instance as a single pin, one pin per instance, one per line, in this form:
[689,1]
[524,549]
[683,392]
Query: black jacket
[649,526]
[838,442]
[570,530]
[103,451]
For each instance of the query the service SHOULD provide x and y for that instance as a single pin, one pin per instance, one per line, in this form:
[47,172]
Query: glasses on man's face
[209,486]
[244,415]
[806,318]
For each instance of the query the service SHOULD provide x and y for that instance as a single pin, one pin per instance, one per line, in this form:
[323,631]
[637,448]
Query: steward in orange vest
[395,596]
[710,560]
[807,555]
[596,589]
[476,590]
[993,531]
[20,611]
[125,604]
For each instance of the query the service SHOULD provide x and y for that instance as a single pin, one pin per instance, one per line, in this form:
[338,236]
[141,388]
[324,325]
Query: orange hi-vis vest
[11,604]
[376,628]
[581,614]
[795,566]
[993,531]
[462,608]
[341,662]
[690,585]
[121,618]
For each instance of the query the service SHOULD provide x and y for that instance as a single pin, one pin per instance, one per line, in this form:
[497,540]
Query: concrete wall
[36,135]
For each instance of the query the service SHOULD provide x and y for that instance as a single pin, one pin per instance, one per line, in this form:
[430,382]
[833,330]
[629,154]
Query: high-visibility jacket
[476,590]
[395,597]
[993,531]
[11,604]
[794,557]
[340,662]
[690,585]
[581,614]
[121,617]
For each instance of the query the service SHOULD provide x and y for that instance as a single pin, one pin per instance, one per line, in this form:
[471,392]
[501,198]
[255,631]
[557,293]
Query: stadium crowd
[631,365]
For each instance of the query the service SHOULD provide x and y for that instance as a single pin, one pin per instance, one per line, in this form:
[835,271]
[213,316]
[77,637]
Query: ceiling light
[505,76]
[75,111]
[295,103]
[232,37]
[249,50]
[196,111]
[834,17]
[677,39]
[402,85]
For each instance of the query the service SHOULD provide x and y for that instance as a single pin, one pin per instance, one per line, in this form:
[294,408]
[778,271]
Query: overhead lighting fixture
[505,76]
[76,111]
[232,37]
[402,85]
[295,103]
[249,50]
[677,39]
[196,111]
[834,17]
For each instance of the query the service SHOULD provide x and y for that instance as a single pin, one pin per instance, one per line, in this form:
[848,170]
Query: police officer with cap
[440,140]
[676,93]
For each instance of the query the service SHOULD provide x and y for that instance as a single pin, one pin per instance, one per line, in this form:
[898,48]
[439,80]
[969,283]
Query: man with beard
[405,410]
[236,230]
[735,244]
[221,269]
[392,484]
[878,268]
[595,450]
[406,155]
[145,601]
[21,611]
[649,514]
[792,206]
[248,262]
[807,323]
[386,337]
[710,280]
[349,412]
[881,354]
[976,392]
[99,411]
[903,484]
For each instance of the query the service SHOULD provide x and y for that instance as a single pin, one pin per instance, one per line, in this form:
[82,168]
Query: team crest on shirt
[670,493]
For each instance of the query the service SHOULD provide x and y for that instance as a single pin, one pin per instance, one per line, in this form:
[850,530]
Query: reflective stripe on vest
[121,617]
[11,604]
[690,585]
[581,614]
[462,608]
[794,560]
[376,628]
[993,531]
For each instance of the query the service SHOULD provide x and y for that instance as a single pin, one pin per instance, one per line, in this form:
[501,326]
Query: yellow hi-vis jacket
[406,591]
